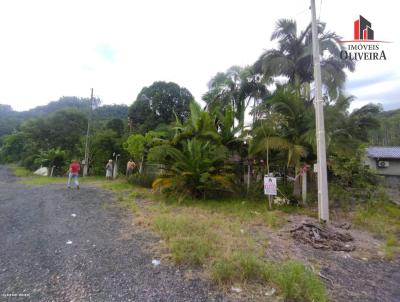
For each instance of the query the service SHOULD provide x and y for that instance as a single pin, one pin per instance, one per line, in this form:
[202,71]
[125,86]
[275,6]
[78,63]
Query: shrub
[143,180]
[198,170]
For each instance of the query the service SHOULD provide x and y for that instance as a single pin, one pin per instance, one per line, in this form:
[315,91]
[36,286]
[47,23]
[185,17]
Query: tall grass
[190,242]
[294,281]
[382,219]
[195,238]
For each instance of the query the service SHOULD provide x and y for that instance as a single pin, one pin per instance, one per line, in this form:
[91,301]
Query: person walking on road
[109,169]
[129,167]
[74,169]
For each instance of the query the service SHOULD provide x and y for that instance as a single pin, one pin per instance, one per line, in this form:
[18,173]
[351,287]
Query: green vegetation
[159,104]
[214,235]
[20,171]
[388,134]
[207,165]
[298,283]
[382,219]
[294,281]
[241,267]
[190,242]
[193,152]
[42,180]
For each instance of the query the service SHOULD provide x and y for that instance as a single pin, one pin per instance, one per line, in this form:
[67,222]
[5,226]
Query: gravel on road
[49,254]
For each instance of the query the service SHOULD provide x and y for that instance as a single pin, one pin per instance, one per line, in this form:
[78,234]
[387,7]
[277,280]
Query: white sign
[270,187]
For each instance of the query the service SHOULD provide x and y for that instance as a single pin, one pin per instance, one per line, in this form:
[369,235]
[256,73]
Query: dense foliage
[187,150]
[159,104]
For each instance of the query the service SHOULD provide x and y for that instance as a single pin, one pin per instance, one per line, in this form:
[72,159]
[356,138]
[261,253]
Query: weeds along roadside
[215,237]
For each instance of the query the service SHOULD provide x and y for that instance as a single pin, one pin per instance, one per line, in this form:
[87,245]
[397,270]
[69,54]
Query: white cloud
[55,48]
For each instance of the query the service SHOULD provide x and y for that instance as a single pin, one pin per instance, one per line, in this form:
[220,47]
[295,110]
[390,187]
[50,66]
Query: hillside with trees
[388,134]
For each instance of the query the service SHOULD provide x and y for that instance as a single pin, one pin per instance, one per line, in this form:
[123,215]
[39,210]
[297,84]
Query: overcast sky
[50,49]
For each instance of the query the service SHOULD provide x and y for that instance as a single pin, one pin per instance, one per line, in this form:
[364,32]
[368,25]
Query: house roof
[383,152]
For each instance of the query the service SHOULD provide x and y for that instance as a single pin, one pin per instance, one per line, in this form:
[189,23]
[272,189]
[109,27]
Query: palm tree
[236,87]
[346,131]
[293,58]
[200,124]
[285,127]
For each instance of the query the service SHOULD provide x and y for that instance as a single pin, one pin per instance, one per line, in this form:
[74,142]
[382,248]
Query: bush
[143,180]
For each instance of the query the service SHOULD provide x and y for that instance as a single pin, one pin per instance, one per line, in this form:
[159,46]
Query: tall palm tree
[293,58]
[287,121]
[236,87]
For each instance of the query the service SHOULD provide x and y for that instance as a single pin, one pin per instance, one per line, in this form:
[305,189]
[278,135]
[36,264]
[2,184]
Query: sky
[50,49]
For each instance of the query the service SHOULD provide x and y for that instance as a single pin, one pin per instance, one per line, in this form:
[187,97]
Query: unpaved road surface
[103,260]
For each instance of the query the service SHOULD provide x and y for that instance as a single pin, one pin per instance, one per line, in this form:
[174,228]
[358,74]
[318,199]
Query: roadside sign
[270,187]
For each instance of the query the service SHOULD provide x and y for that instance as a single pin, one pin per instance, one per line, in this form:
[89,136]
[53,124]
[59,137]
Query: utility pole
[86,164]
[323,201]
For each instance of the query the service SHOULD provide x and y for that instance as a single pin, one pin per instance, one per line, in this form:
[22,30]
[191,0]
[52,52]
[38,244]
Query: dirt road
[69,245]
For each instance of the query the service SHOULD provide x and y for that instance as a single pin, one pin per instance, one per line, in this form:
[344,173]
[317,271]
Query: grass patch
[294,281]
[298,283]
[381,219]
[202,235]
[190,242]
[241,267]
[191,250]
[20,171]
[45,180]
[116,185]
[391,247]
[128,202]
[244,210]
[42,180]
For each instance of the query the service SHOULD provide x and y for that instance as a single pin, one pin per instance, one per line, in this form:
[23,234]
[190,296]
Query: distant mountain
[390,113]
[10,119]
[108,112]
[63,103]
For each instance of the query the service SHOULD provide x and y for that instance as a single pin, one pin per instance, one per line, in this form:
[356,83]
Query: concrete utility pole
[86,164]
[323,201]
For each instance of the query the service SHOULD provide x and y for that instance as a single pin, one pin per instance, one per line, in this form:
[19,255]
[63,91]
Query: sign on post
[270,187]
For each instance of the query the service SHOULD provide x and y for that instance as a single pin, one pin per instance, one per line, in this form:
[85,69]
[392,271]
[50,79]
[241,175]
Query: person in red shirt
[74,169]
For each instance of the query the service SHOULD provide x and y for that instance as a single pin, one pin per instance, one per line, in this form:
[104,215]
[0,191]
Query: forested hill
[389,132]
[10,119]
